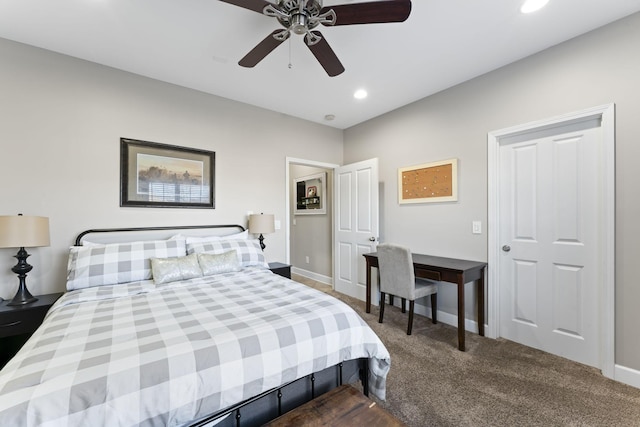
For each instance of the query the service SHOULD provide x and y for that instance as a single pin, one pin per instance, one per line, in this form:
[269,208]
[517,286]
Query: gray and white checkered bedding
[141,354]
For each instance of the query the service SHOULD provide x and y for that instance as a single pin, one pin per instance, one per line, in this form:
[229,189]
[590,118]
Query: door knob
[506,248]
[372,239]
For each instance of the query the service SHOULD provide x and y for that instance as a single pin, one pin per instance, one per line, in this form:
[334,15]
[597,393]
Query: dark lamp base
[20,299]
[23,296]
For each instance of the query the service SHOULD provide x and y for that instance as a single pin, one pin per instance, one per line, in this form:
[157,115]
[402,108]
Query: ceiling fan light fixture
[299,24]
[530,6]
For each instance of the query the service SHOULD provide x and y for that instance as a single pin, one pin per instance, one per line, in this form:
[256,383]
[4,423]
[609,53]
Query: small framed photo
[310,194]
[166,176]
[429,182]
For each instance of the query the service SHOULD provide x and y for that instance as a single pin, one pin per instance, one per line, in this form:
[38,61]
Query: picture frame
[428,182]
[155,175]
[310,194]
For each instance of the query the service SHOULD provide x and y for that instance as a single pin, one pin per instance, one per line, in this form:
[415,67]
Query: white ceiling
[197,44]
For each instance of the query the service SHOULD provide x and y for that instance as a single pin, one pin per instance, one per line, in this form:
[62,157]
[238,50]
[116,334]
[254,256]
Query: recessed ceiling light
[360,94]
[533,5]
[329,117]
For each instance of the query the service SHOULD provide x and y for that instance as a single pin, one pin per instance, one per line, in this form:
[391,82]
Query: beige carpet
[493,383]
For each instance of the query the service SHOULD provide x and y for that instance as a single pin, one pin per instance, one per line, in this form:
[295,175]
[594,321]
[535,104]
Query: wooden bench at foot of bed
[343,406]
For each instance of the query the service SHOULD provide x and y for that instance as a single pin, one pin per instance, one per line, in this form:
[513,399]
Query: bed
[140,338]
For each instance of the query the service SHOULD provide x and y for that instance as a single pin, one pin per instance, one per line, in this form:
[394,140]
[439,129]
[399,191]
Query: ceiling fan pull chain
[290,65]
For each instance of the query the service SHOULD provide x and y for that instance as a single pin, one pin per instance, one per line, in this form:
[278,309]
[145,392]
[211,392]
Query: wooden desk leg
[367,305]
[481,304]
[461,322]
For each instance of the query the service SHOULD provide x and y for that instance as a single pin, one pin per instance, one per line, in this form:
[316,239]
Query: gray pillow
[167,270]
[218,263]
[117,262]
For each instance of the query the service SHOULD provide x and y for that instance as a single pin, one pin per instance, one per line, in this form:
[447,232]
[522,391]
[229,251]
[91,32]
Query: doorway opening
[309,219]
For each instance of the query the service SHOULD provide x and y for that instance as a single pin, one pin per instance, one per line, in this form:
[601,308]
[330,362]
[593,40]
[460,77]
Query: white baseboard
[627,376]
[621,373]
[313,276]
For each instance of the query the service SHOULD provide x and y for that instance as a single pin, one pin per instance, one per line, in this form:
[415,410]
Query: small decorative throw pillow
[167,270]
[219,263]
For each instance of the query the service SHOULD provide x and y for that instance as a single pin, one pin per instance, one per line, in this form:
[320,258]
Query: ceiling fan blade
[374,12]
[255,5]
[325,55]
[263,48]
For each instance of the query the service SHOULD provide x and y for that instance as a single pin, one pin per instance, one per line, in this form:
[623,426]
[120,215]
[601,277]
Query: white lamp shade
[262,224]
[17,231]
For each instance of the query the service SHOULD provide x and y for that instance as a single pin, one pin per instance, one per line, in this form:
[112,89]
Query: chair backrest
[396,270]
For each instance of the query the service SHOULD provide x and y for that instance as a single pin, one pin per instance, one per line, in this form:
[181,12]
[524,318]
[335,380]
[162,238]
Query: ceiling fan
[302,16]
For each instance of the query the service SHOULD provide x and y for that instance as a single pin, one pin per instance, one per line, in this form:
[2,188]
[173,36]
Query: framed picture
[429,182]
[310,194]
[165,176]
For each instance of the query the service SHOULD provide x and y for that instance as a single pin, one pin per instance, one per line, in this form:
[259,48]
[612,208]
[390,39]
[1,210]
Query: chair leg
[382,296]
[410,326]
[390,299]
[404,305]
[434,308]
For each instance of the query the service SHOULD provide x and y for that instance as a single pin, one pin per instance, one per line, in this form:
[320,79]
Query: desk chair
[397,277]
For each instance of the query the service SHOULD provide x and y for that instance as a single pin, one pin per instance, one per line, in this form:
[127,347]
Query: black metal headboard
[176,229]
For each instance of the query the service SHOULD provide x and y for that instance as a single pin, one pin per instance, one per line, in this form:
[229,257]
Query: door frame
[606,113]
[296,161]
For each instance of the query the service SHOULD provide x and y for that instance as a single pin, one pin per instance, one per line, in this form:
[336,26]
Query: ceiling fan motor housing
[299,16]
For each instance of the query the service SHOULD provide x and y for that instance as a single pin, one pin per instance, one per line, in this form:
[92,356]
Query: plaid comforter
[141,354]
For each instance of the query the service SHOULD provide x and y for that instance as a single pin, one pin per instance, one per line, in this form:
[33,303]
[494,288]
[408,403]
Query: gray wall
[311,234]
[595,69]
[62,119]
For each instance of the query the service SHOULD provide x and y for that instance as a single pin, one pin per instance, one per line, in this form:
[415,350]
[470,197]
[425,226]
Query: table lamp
[20,231]
[262,224]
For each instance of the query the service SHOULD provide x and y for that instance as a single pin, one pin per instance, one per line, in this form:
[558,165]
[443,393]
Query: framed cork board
[429,182]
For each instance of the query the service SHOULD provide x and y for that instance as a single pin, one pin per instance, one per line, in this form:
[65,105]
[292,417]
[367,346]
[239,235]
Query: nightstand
[283,270]
[17,323]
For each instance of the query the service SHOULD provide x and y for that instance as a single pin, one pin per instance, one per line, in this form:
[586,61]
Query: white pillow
[237,236]
[87,243]
[90,243]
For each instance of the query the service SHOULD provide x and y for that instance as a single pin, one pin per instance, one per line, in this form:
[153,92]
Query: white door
[355,224]
[550,205]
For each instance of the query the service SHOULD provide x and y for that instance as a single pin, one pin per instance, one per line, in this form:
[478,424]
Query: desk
[458,271]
